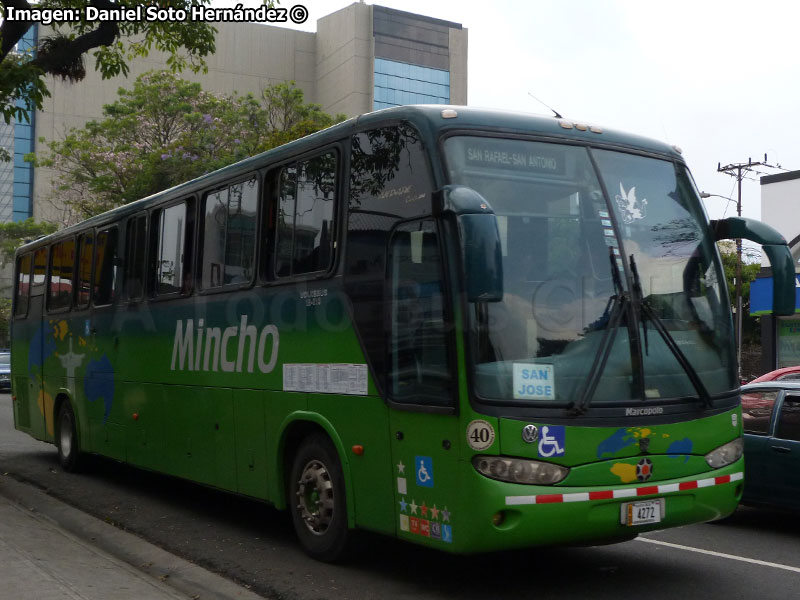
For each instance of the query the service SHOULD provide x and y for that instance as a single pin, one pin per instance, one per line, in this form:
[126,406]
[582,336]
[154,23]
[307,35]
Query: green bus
[468,329]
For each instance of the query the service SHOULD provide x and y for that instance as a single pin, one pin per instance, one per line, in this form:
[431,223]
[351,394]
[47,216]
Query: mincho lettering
[203,348]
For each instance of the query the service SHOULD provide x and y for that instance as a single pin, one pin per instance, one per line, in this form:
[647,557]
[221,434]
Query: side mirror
[480,241]
[778,253]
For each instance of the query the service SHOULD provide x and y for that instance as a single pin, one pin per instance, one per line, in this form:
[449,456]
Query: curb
[180,574]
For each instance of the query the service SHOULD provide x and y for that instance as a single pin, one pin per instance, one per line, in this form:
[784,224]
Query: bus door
[420,384]
[42,346]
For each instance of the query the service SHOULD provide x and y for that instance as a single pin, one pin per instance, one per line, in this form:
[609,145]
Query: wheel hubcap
[65,436]
[315,497]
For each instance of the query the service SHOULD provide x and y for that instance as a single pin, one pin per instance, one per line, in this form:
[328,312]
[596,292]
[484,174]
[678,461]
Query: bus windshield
[610,278]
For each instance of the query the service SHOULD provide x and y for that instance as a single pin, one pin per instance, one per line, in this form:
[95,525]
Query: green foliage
[5,318]
[166,130]
[13,235]
[113,44]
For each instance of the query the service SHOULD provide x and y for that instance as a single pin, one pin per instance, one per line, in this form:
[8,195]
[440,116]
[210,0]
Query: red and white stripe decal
[650,490]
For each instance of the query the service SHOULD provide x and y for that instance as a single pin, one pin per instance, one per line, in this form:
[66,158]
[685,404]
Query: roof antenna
[554,111]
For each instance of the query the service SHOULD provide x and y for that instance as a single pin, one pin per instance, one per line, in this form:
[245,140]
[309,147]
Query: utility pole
[740,170]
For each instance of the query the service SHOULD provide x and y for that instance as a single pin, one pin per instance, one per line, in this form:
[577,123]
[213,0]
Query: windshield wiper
[612,316]
[646,312]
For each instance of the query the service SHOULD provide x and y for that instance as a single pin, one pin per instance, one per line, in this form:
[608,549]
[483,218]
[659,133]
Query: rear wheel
[67,442]
[317,500]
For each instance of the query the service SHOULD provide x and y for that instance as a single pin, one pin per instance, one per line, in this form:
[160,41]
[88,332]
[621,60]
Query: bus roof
[431,120]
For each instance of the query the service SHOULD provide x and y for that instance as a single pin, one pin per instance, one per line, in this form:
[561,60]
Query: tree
[166,130]
[13,235]
[113,44]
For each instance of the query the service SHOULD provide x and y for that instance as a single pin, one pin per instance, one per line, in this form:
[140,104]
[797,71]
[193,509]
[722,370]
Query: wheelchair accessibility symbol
[551,442]
[423,465]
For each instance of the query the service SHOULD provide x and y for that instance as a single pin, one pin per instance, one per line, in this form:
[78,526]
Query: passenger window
[39,267]
[757,410]
[62,274]
[23,291]
[174,247]
[304,237]
[419,368]
[105,268]
[229,235]
[789,423]
[136,241]
[84,283]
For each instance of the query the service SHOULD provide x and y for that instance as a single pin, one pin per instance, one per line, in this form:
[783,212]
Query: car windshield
[572,221]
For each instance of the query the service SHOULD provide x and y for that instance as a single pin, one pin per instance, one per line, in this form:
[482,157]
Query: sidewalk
[51,551]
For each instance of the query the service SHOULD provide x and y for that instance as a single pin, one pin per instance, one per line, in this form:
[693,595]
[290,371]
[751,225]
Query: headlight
[519,470]
[726,454]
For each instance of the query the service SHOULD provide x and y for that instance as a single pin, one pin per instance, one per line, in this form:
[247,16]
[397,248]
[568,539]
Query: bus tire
[317,500]
[69,450]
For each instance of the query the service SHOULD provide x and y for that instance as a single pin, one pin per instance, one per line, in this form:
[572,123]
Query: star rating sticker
[401,468]
[424,509]
[414,507]
[403,505]
[434,512]
[445,515]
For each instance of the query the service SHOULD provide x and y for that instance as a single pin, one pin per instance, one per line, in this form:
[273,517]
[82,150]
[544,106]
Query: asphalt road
[754,555]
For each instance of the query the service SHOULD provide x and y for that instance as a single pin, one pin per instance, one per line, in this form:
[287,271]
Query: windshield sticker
[632,209]
[534,382]
[552,441]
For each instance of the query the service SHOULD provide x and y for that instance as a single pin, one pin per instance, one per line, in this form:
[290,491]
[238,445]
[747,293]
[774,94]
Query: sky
[717,79]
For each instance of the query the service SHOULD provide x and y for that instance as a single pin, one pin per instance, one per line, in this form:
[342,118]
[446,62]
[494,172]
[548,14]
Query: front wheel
[69,450]
[317,500]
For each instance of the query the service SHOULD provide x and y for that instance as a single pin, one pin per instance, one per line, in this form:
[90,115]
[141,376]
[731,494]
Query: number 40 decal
[480,434]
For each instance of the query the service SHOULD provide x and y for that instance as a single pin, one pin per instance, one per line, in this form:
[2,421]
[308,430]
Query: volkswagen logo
[530,433]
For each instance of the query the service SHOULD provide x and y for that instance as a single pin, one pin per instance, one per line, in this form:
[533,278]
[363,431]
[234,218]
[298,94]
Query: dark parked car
[5,371]
[771,419]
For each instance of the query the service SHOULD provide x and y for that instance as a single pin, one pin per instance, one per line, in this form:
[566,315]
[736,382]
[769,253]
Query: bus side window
[23,290]
[173,265]
[62,276]
[229,235]
[105,267]
[304,236]
[83,286]
[419,368]
[39,271]
[135,244]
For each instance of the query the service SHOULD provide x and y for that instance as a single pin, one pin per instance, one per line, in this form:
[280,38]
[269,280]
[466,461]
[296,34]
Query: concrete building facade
[361,58]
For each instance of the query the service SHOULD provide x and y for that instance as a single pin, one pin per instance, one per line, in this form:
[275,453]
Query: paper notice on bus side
[335,378]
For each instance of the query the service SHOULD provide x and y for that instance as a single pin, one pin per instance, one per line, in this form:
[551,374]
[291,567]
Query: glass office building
[399,83]
[412,58]
[16,176]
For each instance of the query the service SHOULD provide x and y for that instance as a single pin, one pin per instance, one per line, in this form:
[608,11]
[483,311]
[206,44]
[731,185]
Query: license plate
[643,512]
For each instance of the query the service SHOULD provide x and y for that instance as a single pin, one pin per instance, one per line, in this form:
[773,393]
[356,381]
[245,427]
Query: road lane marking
[753,561]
